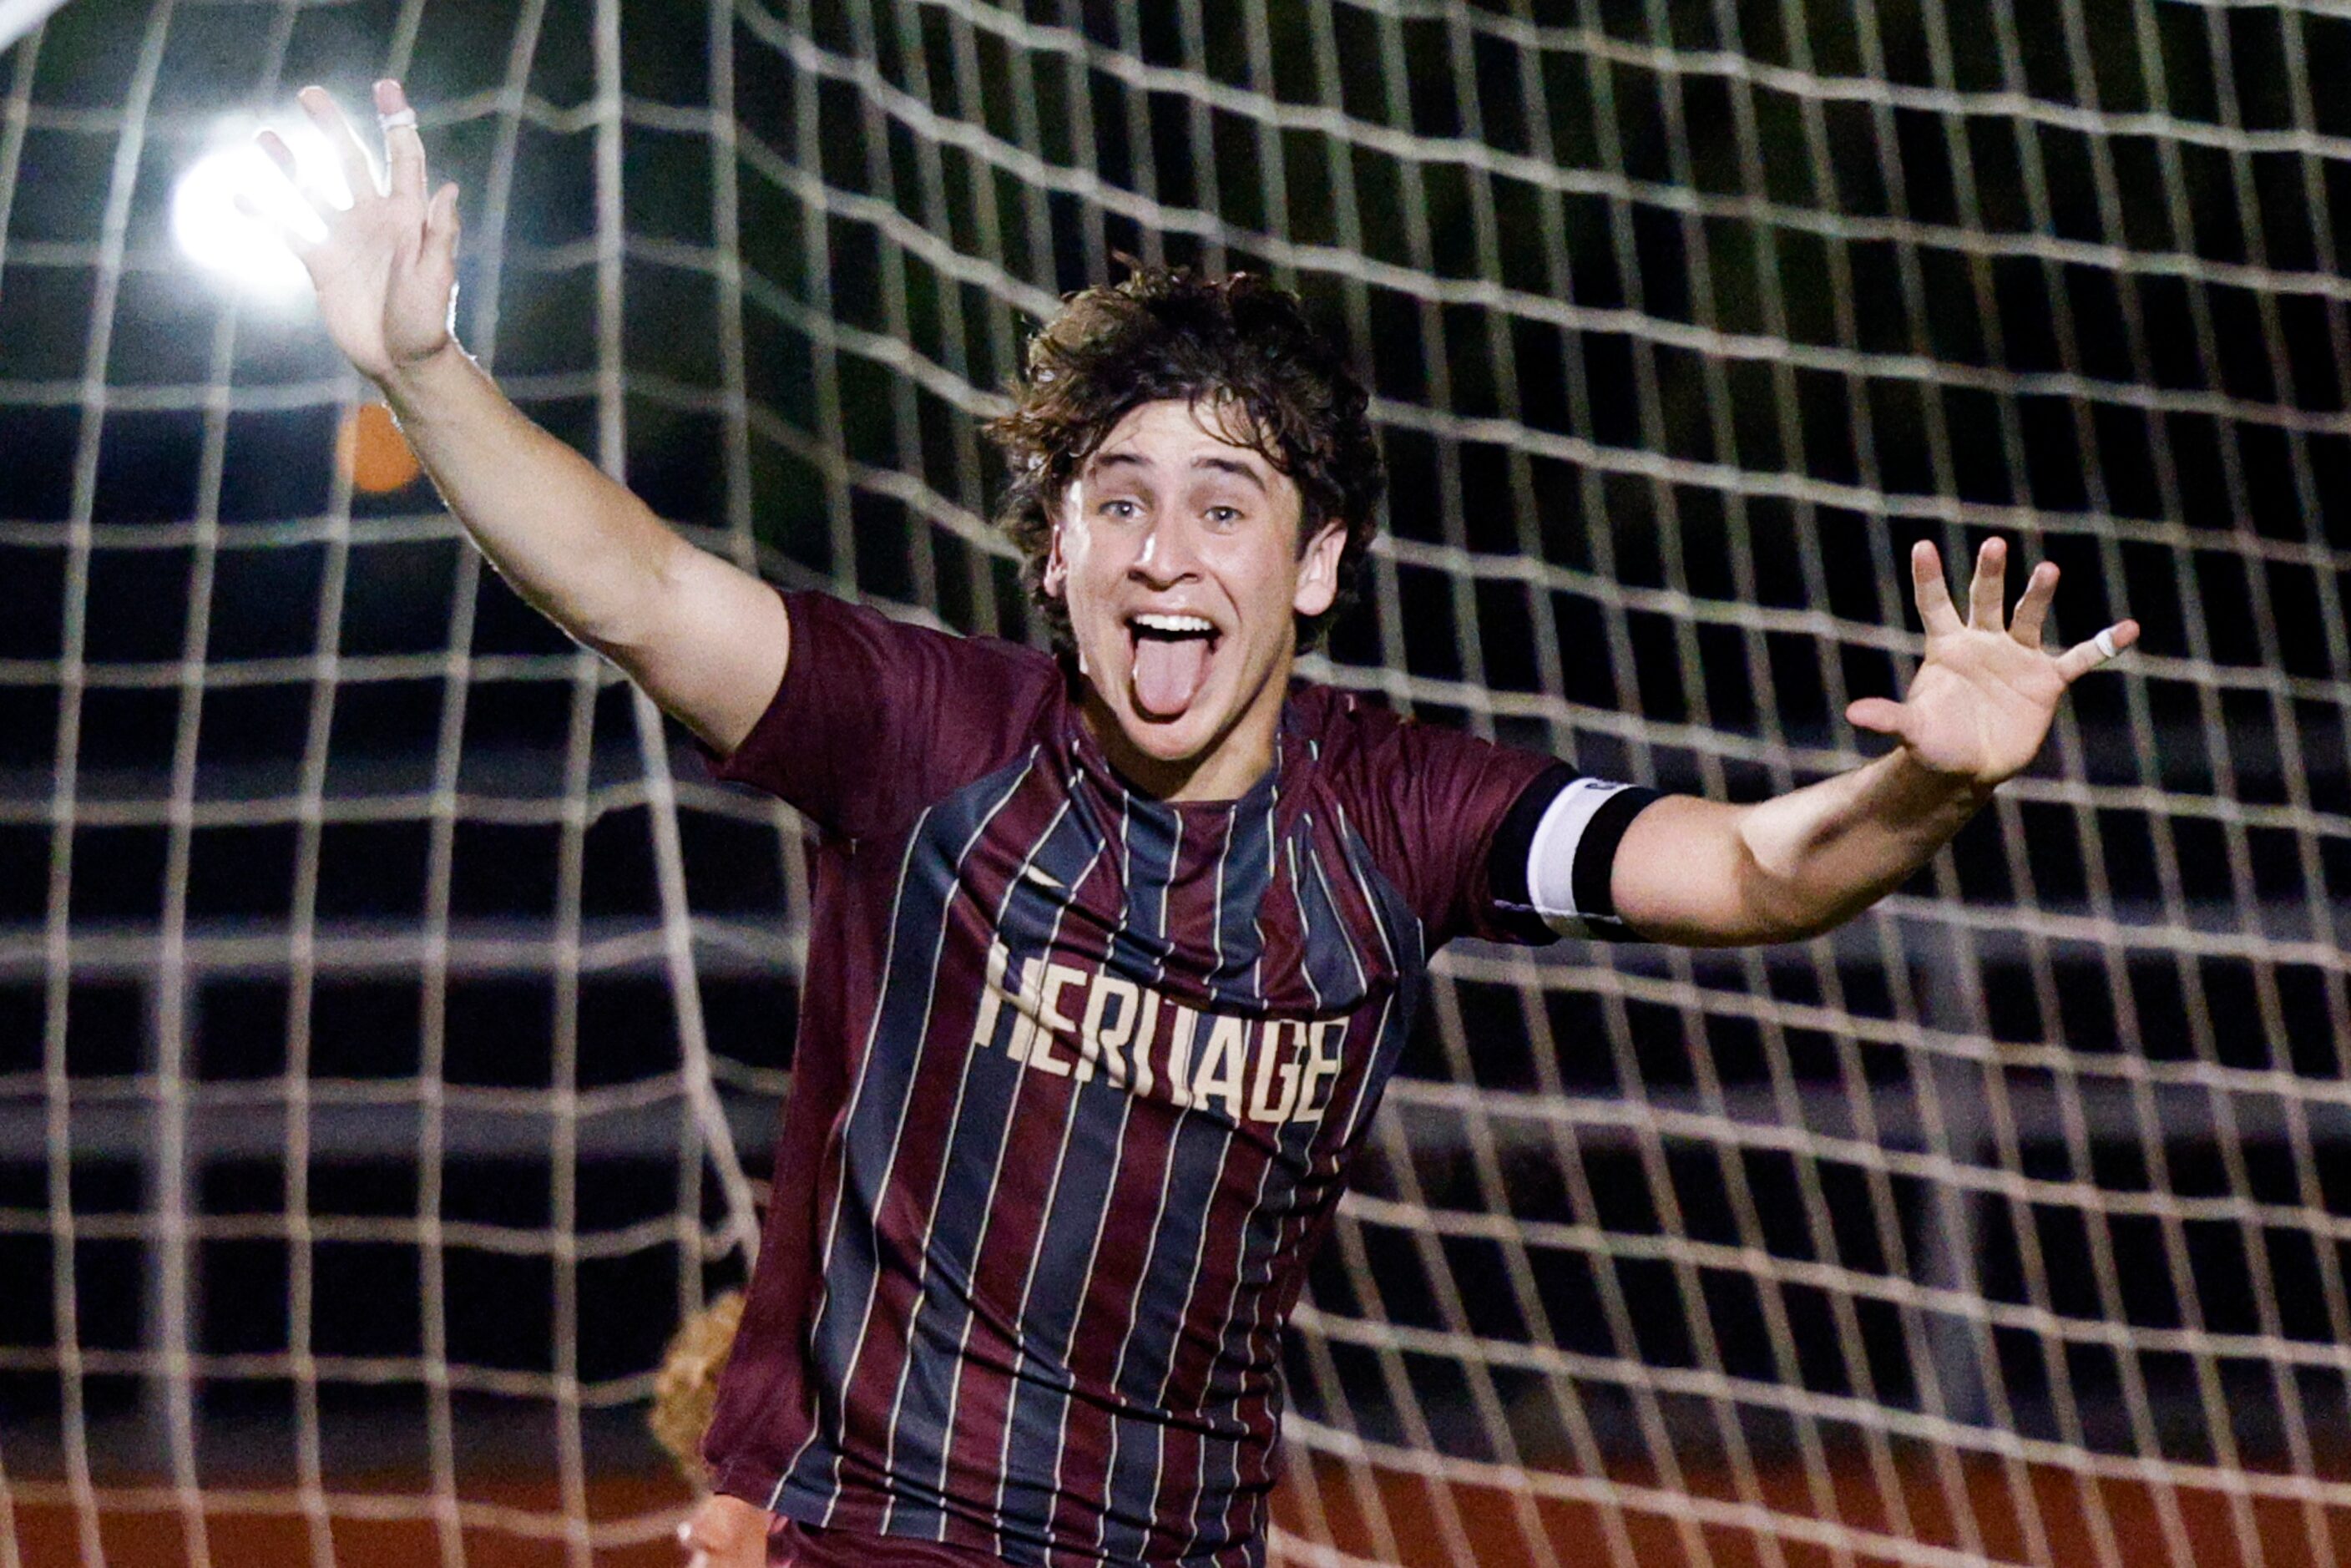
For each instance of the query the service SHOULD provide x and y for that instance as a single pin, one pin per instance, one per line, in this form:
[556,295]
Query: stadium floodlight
[228,205]
[18,17]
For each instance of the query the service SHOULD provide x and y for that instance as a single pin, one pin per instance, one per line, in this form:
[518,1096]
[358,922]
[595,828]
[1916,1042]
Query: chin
[1188,737]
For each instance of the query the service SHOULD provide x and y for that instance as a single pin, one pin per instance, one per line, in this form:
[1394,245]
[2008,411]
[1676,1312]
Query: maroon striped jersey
[1077,1077]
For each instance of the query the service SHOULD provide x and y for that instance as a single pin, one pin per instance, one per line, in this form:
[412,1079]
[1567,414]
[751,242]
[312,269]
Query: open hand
[386,271]
[1982,703]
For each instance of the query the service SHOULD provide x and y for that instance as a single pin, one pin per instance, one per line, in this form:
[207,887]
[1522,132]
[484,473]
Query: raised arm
[706,640]
[1704,874]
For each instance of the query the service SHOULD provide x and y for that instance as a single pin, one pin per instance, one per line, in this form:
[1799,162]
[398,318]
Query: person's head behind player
[685,1389]
[1195,483]
[722,1532]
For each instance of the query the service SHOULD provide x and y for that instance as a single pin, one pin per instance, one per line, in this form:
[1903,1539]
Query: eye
[1120,507]
[1223,516]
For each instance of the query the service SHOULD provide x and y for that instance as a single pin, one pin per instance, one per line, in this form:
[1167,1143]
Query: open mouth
[1171,661]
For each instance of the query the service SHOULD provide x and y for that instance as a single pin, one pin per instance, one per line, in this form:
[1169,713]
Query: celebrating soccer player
[1112,946]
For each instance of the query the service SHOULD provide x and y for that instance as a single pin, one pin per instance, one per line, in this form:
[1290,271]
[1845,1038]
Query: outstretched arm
[706,640]
[1704,874]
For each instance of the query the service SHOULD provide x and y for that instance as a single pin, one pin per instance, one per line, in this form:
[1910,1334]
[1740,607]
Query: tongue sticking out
[1167,673]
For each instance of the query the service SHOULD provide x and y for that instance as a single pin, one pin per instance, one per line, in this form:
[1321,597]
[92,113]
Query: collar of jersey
[1091,758]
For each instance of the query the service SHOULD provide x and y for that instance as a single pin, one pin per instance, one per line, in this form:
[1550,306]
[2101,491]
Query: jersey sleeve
[875,720]
[1454,819]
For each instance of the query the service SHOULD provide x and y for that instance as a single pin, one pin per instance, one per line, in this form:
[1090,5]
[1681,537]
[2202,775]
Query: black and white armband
[1551,863]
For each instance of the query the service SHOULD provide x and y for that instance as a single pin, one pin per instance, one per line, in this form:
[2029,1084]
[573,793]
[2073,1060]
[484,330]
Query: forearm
[1820,855]
[1704,874]
[706,640]
[574,542]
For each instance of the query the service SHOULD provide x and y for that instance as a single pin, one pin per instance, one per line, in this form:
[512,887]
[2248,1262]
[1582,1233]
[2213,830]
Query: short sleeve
[1457,793]
[1452,821]
[876,720]
[1427,802]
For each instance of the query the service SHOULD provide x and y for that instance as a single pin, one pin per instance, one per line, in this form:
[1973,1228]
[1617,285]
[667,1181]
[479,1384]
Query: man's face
[1177,552]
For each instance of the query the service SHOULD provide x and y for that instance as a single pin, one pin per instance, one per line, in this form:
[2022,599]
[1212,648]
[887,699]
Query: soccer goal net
[392,1016]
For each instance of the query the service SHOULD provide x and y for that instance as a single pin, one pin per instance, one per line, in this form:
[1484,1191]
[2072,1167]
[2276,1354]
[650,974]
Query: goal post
[394,1015]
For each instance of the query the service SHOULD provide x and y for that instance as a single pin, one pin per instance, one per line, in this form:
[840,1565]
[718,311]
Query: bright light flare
[248,251]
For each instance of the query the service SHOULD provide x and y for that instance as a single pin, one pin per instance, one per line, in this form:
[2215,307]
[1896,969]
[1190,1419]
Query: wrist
[1919,790]
[409,386]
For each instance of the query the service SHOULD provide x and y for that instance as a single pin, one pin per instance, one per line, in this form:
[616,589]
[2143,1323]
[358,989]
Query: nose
[1169,552]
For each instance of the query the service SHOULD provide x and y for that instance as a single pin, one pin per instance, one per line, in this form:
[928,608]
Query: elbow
[637,612]
[1779,894]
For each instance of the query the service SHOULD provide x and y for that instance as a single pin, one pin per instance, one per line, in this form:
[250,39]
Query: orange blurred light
[372,453]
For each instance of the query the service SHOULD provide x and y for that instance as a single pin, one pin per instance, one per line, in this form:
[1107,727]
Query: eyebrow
[1220,465]
[1230,466]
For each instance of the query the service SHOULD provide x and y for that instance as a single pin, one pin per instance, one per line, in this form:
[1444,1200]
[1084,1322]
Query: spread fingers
[2083,657]
[2032,610]
[349,155]
[1933,595]
[404,148]
[1989,589]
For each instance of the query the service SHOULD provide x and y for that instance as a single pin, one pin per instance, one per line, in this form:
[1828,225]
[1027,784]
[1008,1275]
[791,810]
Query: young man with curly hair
[1112,947]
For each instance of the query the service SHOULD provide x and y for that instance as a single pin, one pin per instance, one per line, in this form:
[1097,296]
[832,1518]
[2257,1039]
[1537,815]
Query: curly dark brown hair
[1166,333]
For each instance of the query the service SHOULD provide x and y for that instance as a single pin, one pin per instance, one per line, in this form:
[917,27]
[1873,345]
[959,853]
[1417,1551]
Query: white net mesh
[390,1012]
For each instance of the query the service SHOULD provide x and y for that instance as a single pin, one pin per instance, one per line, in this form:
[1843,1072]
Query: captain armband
[1551,861]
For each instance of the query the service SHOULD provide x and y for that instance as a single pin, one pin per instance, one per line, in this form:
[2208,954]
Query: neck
[1222,770]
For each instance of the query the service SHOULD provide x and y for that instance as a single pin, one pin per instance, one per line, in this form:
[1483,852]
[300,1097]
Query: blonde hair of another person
[722,1532]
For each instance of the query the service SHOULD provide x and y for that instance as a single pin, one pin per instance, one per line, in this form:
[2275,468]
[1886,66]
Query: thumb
[1881,715]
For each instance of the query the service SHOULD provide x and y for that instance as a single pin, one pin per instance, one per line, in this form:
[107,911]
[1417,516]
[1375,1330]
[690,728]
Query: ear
[1055,578]
[1317,571]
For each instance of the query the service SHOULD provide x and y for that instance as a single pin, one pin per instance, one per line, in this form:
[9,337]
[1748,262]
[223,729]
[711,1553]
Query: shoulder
[1383,768]
[1361,742]
[876,717]
[1341,725]
[886,673]
[827,627]
[1427,799]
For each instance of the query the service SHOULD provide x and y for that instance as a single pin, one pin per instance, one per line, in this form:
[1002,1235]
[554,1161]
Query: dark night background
[306,820]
